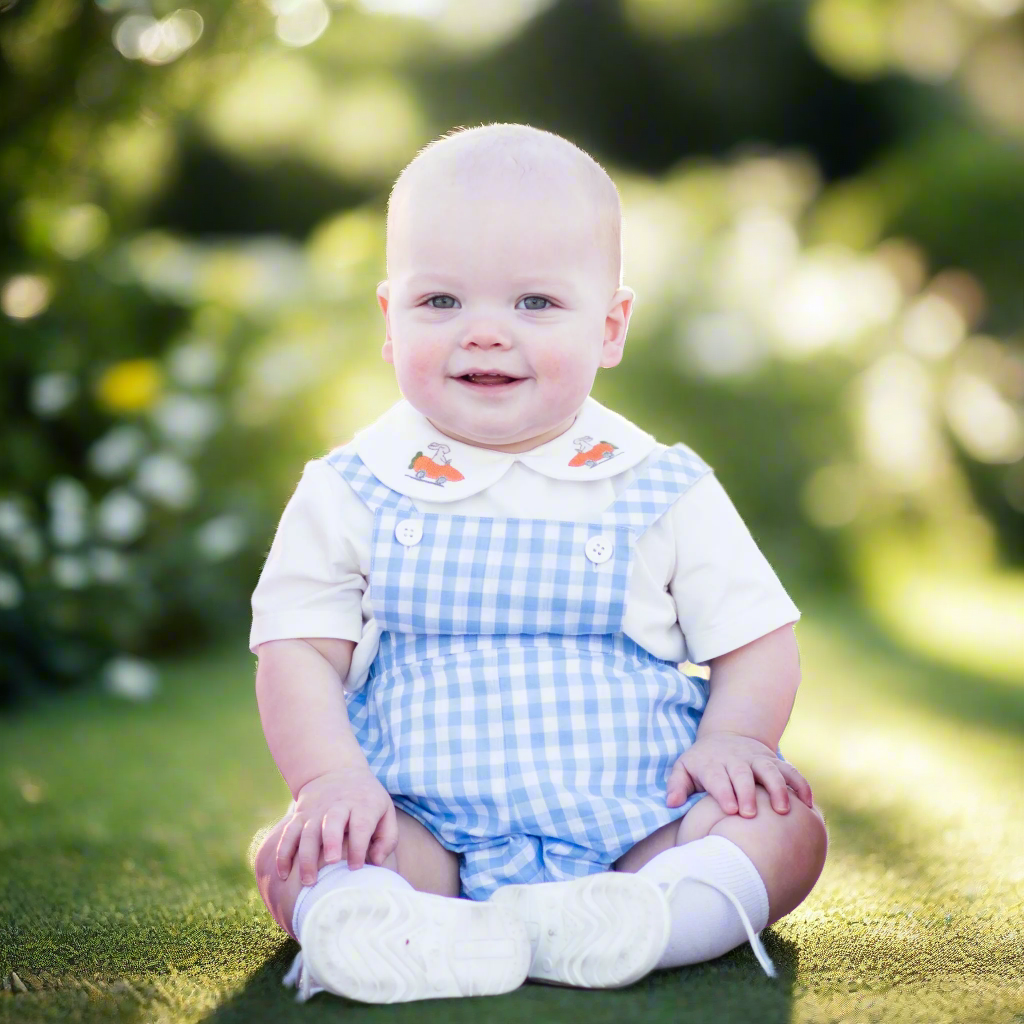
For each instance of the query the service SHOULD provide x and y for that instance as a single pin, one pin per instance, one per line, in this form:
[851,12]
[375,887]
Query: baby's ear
[383,298]
[616,324]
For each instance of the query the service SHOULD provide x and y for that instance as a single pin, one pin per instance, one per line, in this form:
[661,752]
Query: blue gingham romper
[505,709]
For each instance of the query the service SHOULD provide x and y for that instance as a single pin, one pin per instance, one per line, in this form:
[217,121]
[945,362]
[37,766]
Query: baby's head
[503,294]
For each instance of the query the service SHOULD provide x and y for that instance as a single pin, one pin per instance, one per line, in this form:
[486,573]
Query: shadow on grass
[96,942]
[729,990]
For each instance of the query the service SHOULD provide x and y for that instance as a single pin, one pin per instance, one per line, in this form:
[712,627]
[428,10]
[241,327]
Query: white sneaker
[603,931]
[396,945]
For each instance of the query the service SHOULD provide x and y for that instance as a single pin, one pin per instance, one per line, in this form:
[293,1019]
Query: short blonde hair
[498,148]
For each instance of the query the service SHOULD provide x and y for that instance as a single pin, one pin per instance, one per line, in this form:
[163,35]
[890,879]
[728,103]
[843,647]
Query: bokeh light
[300,22]
[24,296]
[197,233]
[157,41]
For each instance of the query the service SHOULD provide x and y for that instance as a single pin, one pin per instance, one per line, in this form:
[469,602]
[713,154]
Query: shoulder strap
[656,489]
[374,494]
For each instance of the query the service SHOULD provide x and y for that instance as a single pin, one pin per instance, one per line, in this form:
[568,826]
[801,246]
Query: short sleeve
[311,584]
[726,594]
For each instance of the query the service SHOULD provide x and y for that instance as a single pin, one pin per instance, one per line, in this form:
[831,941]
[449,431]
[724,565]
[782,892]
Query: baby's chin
[485,435]
[483,438]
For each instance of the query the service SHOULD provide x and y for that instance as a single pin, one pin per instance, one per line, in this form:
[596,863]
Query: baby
[470,625]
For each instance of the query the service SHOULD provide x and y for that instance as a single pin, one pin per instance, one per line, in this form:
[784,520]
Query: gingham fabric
[505,709]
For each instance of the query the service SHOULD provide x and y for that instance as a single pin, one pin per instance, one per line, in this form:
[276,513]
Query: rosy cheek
[422,365]
[560,368]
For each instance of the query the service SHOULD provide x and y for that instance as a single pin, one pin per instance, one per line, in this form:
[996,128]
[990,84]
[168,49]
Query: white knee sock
[329,878]
[705,922]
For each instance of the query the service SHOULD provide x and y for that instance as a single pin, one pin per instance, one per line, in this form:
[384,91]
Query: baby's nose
[486,336]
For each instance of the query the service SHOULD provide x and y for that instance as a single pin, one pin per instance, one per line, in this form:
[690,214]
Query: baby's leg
[419,858]
[727,877]
[788,850]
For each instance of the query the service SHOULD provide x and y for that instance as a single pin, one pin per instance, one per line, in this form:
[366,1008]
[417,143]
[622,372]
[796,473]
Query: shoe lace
[298,976]
[755,942]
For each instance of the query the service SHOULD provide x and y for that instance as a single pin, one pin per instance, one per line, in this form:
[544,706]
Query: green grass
[125,892]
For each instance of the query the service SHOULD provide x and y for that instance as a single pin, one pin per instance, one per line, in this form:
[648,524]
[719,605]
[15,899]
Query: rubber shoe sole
[604,931]
[388,946]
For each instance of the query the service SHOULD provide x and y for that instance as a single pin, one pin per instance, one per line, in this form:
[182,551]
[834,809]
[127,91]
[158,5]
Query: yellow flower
[129,386]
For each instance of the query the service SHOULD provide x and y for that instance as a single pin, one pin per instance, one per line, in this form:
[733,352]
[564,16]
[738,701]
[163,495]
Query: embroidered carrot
[589,454]
[439,471]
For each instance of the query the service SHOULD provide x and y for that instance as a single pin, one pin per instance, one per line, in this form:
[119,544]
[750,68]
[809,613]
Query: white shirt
[699,586]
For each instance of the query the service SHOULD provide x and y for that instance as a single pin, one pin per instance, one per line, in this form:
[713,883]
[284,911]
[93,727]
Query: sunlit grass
[964,613]
[126,895]
[918,913]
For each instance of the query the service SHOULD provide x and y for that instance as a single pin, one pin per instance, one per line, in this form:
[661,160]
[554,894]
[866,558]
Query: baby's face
[500,308]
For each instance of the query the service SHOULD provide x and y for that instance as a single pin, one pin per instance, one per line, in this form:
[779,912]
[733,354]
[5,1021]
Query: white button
[599,549]
[409,532]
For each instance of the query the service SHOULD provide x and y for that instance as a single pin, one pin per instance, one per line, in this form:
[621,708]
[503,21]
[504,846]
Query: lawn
[126,895]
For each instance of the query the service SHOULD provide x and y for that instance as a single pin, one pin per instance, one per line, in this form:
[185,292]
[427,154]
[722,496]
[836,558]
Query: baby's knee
[263,848]
[799,831]
[816,828]
[808,820]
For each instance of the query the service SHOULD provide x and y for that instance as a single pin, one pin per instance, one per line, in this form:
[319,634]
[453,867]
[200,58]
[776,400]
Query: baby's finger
[287,845]
[333,833]
[385,837]
[800,785]
[743,783]
[360,828]
[680,785]
[770,777]
[309,851]
[717,782]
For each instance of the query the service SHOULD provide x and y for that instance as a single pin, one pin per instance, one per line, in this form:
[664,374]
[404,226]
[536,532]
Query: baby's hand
[726,765]
[347,812]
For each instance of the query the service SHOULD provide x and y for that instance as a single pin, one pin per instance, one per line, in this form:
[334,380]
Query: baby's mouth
[490,379]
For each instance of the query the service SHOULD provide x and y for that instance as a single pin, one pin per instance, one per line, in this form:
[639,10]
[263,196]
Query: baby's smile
[489,380]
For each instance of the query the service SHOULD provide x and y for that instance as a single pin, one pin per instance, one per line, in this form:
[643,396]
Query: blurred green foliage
[823,221]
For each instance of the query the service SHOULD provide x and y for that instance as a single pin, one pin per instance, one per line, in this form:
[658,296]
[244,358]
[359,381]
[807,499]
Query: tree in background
[823,223]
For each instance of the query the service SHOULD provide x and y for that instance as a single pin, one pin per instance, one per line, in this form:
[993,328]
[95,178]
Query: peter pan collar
[406,452]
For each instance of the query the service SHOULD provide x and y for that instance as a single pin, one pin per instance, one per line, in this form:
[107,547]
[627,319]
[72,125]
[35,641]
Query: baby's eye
[441,302]
[535,299]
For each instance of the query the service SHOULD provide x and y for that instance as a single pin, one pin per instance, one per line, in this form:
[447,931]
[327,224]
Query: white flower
[66,494]
[221,537]
[10,591]
[117,451]
[108,565]
[168,480]
[69,571]
[187,419]
[69,502]
[130,678]
[51,393]
[121,517]
[195,364]
[13,521]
